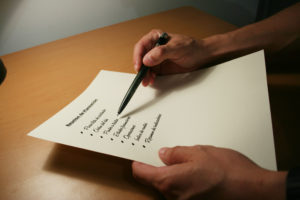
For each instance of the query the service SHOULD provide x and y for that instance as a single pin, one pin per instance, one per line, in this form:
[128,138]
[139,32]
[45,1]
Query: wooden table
[42,80]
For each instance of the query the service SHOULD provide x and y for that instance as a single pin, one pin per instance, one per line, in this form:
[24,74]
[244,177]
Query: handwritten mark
[94,120]
[129,133]
[138,137]
[98,128]
[149,139]
[122,127]
[81,113]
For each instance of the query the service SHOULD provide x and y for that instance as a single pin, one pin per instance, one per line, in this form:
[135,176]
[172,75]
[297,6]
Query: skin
[184,54]
[206,172]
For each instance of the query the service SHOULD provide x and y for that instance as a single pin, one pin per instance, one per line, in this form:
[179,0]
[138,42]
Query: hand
[207,172]
[181,54]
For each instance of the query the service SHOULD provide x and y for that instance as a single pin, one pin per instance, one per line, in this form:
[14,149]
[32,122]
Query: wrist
[274,185]
[213,47]
[222,47]
[226,46]
[261,185]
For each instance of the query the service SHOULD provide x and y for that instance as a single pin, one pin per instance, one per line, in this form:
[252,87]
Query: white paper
[226,105]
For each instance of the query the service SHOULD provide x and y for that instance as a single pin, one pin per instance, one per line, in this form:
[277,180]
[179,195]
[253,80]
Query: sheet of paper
[226,105]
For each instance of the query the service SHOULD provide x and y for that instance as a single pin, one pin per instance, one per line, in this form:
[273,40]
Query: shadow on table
[97,168]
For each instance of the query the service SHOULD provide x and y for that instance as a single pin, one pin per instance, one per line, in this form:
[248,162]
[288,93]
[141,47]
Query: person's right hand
[181,54]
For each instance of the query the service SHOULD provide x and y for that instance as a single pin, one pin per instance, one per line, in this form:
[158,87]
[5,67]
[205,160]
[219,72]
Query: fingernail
[153,75]
[151,82]
[148,60]
[145,83]
[163,150]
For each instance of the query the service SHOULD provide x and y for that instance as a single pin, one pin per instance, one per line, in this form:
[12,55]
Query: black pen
[163,39]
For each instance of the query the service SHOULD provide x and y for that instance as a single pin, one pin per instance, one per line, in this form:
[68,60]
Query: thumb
[176,155]
[156,55]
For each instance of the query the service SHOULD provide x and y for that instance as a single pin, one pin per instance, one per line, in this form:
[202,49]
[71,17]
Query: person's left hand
[207,172]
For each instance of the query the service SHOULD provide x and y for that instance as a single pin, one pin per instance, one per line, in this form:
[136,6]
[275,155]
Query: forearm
[274,186]
[263,185]
[272,35]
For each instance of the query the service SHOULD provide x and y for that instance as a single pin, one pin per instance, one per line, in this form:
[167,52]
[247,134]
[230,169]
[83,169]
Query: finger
[145,173]
[147,79]
[177,155]
[156,56]
[174,179]
[145,44]
[168,67]
[152,78]
[163,178]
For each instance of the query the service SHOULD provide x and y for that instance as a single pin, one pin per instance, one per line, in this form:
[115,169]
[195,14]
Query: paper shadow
[2,72]
[167,86]
[95,167]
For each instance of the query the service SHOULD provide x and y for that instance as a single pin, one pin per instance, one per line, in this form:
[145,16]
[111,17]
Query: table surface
[42,80]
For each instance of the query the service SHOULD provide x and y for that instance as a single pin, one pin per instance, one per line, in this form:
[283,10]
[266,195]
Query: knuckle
[205,148]
[160,51]
[139,45]
[190,41]
[135,171]
[164,185]
[136,47]
[151,58]
[200,147]
[177,148]
[155,31]
[171,154]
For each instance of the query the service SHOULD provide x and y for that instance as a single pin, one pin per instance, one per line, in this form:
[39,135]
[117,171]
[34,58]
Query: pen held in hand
[163,39]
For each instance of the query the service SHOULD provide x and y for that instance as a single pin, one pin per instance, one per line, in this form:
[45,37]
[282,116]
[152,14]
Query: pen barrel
[134,85]
[163,39]
[137,80]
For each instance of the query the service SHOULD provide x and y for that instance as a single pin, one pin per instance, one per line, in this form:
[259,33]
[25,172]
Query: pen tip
[119,111]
